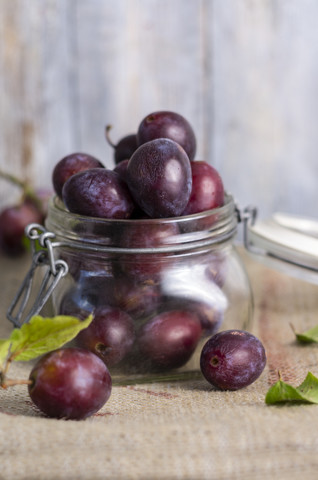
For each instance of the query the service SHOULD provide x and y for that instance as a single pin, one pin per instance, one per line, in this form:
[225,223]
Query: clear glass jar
[177,280]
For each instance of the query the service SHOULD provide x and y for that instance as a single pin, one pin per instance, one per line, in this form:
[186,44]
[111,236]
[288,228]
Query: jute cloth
[184,430]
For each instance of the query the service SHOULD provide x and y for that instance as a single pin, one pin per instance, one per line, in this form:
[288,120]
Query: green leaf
[26,242]
[309,388]
[4,350]
[41,335]
[309,336]
[281,392]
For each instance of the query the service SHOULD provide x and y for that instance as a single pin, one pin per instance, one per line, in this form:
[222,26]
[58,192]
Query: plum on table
[232,359]
[70,383]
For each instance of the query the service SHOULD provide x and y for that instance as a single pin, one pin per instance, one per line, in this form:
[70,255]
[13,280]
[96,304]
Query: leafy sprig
[39,336]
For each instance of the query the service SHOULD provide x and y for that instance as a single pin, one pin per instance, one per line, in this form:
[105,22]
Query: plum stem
[107,130]
[28,191]
[13,179]
[8,382]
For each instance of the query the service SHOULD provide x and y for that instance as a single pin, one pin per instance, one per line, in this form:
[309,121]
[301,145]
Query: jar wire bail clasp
[42,249]
[247,217]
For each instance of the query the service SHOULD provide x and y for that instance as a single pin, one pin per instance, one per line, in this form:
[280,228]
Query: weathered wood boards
[244,73]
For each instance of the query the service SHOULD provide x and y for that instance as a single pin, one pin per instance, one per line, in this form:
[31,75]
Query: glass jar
[161,286]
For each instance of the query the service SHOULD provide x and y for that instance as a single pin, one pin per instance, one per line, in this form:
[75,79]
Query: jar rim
[227,207]
[198,229]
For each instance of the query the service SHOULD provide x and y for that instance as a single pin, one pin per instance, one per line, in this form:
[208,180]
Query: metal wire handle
[54,270]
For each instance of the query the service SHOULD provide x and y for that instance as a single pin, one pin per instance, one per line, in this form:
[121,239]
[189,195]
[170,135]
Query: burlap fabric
[184,430]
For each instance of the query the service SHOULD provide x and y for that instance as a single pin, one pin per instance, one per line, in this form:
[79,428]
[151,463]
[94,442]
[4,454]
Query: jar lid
[286,242]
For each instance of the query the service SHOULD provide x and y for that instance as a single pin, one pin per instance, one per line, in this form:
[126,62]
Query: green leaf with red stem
[41,335]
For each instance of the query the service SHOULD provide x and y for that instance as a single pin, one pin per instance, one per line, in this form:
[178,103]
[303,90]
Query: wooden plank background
[244,73]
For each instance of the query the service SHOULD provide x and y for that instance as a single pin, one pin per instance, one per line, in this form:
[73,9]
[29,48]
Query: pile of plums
[155,175]
[140,318]
[151,308]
